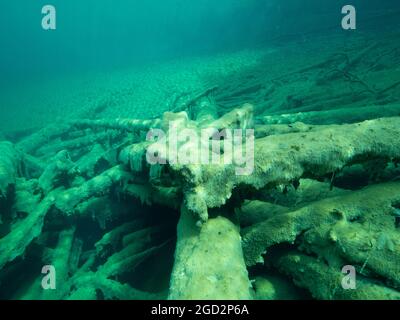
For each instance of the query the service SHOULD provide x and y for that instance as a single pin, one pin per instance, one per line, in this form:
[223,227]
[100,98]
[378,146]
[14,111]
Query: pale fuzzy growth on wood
[284,158]
[324,282]
[9,164]
[338,116]
[24,232]
[81,195]
[337,229]
[73,190]
[209,262]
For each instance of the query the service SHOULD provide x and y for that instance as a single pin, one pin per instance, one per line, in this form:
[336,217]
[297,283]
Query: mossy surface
[79,195]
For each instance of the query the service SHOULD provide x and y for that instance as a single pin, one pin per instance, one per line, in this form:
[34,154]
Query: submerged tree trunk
[209,261]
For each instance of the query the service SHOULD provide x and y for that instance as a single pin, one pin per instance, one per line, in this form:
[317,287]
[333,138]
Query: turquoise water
[97,35]
[74,196]
[96,40]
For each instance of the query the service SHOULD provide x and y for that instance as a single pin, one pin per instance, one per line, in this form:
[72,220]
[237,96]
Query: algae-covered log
[265,130]
[239,118]
[325,282]
[60,259]
[24,231]
[78,143]
[282,159]
[9,162]
[102,184]
[169,197]
[116,124]
[87,163]
[295,217]
[304,192]
[255,211]
[57,173]
[34,167]
[339,116]
[345,228]
[134,156]
[127,259]
[275,287]
[205,110]
[209,261]
[43,136]
[375,250]
[113,239]
[88,283]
